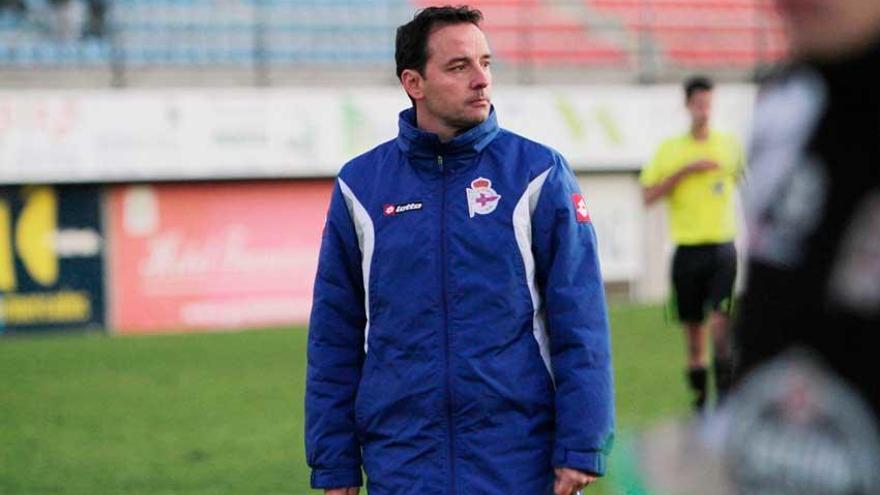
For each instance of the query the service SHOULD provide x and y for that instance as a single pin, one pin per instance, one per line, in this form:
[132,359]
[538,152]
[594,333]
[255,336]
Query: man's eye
[458,68]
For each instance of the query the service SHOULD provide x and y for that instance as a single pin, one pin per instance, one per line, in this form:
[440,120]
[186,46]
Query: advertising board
[214,255]
[51,258]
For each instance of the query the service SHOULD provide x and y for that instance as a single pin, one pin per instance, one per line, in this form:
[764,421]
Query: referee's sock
[697,381]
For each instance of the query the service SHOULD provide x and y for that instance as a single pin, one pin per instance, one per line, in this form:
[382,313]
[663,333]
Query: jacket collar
[420,145]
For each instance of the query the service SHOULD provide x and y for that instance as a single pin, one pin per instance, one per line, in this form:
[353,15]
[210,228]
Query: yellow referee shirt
[701,206]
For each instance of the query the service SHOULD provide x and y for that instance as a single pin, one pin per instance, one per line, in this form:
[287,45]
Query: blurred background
[165,168]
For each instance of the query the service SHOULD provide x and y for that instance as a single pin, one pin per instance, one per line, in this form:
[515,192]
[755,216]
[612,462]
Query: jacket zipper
[449,408]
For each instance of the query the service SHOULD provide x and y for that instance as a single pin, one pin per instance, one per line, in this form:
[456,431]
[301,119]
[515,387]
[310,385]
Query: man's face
[455,89]
[699,106]
[824,29]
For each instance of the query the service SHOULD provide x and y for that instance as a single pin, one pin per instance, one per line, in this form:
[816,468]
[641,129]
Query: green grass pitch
[222,413]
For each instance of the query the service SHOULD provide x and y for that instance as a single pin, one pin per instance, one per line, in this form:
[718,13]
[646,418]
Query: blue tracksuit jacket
[458,342]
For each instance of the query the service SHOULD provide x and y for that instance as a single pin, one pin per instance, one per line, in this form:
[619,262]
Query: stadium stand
[627,36]
[50,33]
[540,33]
[702,33]
[210,32]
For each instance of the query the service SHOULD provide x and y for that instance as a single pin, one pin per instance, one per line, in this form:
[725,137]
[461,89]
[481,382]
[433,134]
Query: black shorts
[703,276]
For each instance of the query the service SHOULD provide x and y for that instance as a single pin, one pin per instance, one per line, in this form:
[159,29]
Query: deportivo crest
[482,199]
[391,210]
[580,208]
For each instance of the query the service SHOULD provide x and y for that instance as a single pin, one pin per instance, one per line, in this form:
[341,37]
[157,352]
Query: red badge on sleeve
[580,208]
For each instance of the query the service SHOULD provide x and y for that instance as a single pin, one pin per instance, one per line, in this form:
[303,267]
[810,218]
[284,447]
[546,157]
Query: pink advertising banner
[189,257]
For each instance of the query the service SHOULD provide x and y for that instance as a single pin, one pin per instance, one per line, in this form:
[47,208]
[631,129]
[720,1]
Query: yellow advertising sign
[50,260]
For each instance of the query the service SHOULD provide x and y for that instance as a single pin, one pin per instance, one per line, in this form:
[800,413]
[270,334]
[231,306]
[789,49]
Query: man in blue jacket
[458,343]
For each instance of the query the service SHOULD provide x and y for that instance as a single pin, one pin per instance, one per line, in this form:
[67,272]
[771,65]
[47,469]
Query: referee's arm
[650,194]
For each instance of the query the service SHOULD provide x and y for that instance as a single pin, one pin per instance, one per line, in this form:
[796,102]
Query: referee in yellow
[696,173]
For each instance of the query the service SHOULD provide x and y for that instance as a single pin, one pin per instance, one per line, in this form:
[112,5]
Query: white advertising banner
[614,202]
[150,135]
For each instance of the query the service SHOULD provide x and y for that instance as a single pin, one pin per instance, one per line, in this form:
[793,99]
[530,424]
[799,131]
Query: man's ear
[413,84]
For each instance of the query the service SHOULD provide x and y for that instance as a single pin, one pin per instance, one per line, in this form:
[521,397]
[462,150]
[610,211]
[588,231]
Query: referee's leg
[690,297]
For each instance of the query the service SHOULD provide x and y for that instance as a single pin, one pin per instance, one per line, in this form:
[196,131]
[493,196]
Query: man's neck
[435,126]
[700,132]
[445,135]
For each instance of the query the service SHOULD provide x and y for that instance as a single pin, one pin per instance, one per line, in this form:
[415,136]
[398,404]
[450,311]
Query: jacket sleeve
[570,283]
[335,354]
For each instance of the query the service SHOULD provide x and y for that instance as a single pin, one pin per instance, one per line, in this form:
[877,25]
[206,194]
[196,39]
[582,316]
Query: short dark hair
[697,83]
[411,45]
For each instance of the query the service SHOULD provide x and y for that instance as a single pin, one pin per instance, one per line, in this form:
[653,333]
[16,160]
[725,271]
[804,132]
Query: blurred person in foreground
[459,340]
[813,202]
[696,174]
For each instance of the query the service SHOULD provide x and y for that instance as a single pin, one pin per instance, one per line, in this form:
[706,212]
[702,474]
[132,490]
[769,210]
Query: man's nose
[481,78]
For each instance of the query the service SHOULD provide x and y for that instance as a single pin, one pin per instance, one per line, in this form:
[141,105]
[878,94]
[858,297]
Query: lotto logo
[391,210]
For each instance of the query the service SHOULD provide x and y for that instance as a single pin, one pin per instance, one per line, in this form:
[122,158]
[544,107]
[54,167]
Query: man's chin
[468,120]
[474,118]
